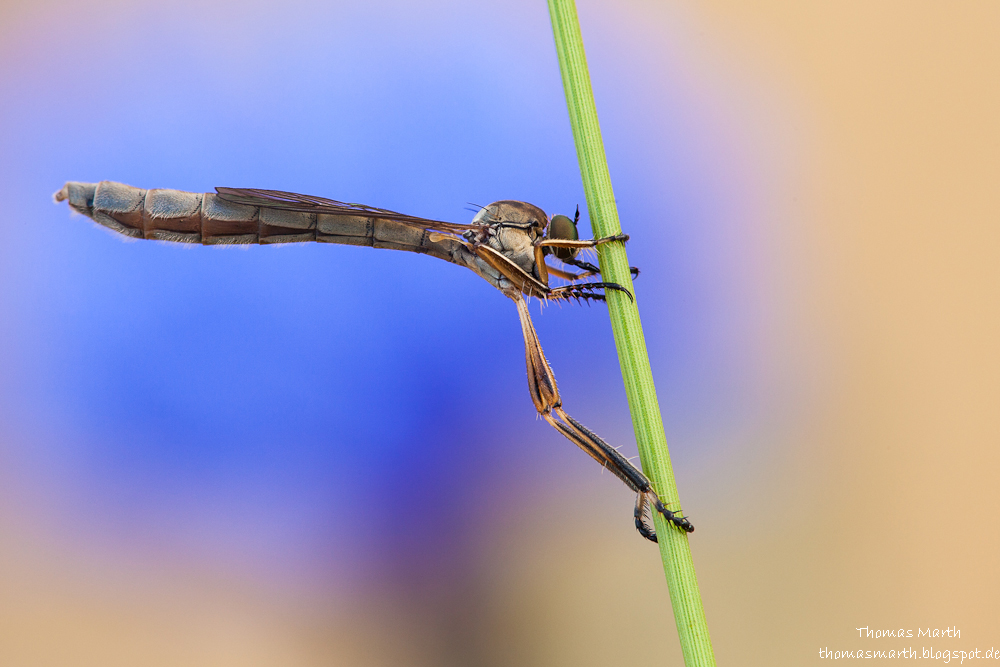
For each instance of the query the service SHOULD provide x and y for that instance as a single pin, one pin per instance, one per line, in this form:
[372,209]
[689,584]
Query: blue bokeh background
[333,395]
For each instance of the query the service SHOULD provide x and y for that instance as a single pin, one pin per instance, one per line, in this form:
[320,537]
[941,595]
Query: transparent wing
[290,201]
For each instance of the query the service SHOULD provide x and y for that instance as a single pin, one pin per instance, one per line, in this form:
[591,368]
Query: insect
[506,243]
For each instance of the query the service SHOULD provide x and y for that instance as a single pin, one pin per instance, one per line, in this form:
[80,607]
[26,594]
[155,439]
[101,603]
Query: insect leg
[642,523]
[625,471]
[541,380]
[588,270]
[565,275]
[532,286]
[583,243]
[545,396]
[591,270]
[574,290]
[523,281]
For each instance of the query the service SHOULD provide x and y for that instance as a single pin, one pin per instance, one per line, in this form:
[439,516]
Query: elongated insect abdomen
[184,217]
[188,217]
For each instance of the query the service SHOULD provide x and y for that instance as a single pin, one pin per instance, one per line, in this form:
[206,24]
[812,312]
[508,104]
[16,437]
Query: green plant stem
[675,551]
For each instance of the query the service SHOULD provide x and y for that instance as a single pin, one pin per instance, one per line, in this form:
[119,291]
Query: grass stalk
[675,551]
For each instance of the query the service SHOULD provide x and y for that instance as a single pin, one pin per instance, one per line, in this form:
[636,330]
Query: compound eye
[563,228]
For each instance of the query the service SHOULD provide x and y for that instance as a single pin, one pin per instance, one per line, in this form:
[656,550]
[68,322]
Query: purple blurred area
[330,418]
[324,405]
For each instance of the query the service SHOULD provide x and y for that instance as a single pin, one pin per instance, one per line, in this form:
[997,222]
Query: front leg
[577,245]
[580,244]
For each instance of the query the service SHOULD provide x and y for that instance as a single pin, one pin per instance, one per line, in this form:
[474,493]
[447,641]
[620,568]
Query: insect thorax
[511,228]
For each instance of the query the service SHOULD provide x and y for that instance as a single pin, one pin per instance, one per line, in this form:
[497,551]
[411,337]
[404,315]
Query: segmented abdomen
[189,217]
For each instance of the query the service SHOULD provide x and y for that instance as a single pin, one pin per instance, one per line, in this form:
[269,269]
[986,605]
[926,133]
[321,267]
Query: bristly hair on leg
[586,291]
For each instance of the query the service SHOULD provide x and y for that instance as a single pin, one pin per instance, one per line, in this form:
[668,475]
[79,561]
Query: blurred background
[323,455]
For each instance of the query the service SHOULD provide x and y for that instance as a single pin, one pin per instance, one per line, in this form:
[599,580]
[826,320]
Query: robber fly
[506,243]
